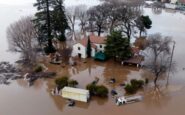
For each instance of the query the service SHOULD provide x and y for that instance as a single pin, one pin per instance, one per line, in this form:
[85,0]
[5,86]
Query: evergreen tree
[89,47]
[43,23]
[143,23]
[117,46]
[59,20]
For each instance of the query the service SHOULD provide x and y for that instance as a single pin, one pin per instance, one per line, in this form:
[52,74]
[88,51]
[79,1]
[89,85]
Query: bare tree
[130,2]
[83,16]
[122,15]
[158,61]
[71,13]
[21,37]
[113,15]
[98,18]
[127,17]
[65,52]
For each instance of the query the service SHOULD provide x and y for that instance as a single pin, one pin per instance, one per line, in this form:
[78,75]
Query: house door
[79,55]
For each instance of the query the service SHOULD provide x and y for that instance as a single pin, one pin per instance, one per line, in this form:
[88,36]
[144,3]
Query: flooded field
[20,99]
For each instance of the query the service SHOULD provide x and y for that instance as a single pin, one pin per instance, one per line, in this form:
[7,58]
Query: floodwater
[20,99]
[9,14]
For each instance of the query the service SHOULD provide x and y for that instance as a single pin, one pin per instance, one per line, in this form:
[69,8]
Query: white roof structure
[75,94]
[75,90]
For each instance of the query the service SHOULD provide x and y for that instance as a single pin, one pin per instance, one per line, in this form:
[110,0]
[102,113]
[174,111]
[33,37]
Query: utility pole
[171,59]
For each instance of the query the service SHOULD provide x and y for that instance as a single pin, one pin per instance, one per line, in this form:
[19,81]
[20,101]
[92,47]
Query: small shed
[100,56]
[136,60]
[75,94]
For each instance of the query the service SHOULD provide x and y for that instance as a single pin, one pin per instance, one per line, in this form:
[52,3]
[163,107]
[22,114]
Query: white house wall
[82,51]
[100,48]
[93,52]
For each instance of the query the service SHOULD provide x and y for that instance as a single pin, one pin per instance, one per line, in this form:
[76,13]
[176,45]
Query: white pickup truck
[125,100]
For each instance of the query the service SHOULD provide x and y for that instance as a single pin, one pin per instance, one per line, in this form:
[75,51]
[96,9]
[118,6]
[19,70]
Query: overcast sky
[66,2]
[16,2]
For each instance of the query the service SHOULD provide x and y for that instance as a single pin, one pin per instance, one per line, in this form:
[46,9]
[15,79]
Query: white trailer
[125,100]
[75,94]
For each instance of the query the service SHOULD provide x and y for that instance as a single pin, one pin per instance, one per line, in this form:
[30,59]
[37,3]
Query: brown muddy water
[20,99]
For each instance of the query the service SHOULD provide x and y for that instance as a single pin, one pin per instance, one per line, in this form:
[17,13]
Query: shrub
[130,89]
[64,81]
[92,88]
[140,83]
[38,69]
[72,83]
[102,91]
[134,86]
[61,82]
[134,83]
[137,83]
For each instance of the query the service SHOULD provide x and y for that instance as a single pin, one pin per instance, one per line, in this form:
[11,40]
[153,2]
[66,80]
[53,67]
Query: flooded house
[97,45]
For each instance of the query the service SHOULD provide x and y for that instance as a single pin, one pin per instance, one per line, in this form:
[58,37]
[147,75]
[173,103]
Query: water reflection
[157,11]
[156,97]
[38,84]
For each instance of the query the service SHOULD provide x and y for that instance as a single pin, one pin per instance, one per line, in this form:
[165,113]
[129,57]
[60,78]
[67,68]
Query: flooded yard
[20,99]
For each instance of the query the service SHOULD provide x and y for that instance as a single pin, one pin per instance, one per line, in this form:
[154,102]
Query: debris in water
[8,72]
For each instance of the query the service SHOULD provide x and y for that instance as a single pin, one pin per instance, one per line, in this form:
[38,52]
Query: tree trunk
[99,31]
[73,28]
[140,33]
[49,25]
[50,45]
[111,27]
[128,35]
[155,80]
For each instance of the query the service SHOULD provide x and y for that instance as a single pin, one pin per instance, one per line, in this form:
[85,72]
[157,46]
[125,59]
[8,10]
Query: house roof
[94,40]
[135,50]
[97,39]
[182,1]
[84,43]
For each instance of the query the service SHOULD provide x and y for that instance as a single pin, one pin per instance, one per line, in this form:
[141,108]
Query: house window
[78,48]
[100,46]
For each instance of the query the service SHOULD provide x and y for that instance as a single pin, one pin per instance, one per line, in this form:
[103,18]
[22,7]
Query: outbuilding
[75,94]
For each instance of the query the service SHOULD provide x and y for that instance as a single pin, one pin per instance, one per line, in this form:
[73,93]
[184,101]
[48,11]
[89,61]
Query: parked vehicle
[71,103]
[126,100]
